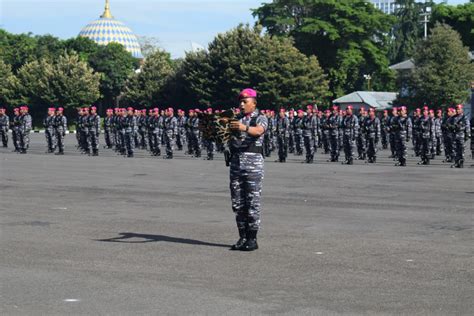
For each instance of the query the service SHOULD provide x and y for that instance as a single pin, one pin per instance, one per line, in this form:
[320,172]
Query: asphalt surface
[145,236]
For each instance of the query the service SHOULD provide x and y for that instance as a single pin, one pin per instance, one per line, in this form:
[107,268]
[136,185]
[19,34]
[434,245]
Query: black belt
[250,149]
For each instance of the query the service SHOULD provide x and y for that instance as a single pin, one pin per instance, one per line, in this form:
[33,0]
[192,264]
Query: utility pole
[426,14]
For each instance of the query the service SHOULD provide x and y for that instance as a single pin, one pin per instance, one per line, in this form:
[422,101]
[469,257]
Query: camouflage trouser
[401,146]
[246,179]
[24,140]
[449,147]
[291,143]
[348,144]
[108,136]
[169,142]
[180,138]
[361,145]
[309,146]
[60,134]
[298,144]
[384,138]
[325,141]
[50,138]
[459,147]
[371,147]
[425,148]
[282,147]
[130,142]
[393,146]
[93,139]
[4,136]
[334,145]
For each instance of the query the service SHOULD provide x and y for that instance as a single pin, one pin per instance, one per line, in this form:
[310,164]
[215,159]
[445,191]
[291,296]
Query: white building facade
[386,6]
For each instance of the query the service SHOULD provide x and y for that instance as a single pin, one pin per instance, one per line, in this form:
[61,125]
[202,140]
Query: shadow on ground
[145,238]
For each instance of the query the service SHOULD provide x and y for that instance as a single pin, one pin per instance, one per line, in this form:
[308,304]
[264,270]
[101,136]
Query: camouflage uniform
[462,132]
[93,121]
[60,128]
[309,136]
[181,135]
[298,135]
[170,131]
[282,132]
[4,127]
[402,128]
[24,132]
[426,137]
[195,134]
[48,124]
[246,174]
[109,131]
[350,125]
[373,129]
[333,126]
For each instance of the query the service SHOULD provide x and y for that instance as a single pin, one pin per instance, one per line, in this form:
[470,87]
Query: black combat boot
[239,245]
[251,243]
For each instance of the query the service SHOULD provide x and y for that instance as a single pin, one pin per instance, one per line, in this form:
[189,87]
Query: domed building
[106,30]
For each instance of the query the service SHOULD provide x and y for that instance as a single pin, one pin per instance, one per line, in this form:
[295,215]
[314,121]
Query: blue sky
[176,24]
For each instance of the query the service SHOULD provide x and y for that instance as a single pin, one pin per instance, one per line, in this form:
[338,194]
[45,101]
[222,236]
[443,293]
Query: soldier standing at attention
[247,170]
[48,124]
[391,130]
[94,130]
[416,132]
[181,135]
[129,126]
[462,132]
[298,133]
[372,126]
[16,129]
[291,131]
[108,128]
[309,131]
[362,138]
[426,136]
[4,127]
[170,131]
[282,128]
[333,126]
[384,122]
[350,124]
[60,128]
[26,125]
[195,133]
[403,133]
[325,131]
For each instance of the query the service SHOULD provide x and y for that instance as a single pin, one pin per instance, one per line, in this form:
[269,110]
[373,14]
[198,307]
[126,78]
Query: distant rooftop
[377,100]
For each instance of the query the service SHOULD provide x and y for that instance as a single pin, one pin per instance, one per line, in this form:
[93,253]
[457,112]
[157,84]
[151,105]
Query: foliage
[349,38]
[443,70]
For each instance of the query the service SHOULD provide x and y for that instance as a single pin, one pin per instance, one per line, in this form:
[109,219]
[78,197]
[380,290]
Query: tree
[16,50]
[116,65]
[67,82]
[7,84]
[460,18]
[349,38]
[48,46]
[146,87]
[443,71]
[243,58]
[83,46]
[406,32]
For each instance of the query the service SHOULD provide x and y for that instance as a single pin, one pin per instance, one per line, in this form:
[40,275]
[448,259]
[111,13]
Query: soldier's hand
[237,126]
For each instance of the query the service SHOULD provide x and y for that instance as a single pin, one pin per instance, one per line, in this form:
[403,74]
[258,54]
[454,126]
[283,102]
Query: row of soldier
[21,126]
[290,132]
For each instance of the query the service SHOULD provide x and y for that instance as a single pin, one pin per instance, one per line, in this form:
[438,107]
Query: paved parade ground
[147,236]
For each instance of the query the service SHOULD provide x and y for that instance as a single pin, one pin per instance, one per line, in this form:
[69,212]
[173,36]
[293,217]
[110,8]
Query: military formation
[358,136]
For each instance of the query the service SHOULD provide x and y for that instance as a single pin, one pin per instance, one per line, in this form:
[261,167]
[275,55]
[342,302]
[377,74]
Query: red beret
[60,109]
[129,109]
[425,108]
[93,108]
[459,106]
[247,93]
[350,107]
[51,109]
[371,110]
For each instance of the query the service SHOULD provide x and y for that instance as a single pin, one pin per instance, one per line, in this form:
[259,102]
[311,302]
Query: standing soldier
[350,125]
[247,170]
[156,125]
[108,128]
[78,128]
[170,131]
[448,140]
[60,128]
[291,132]
[402,127]
[433,142]
[181,135]
[4,127]
[462,132]
[372,126]
[115,125]
[94,130]
[16,130]
[267,136]
[439,133]
[282,132]
[416,132]
[298,133]
[129,126]
[309,131]
[392,127]
[195,134]
[325,131]
[25,129]
[209,144]
[49,131]
[384,123]
[142,129]
[362,138]
[84,130]
[136,135]
[426,136]
[188,130]
[333,125]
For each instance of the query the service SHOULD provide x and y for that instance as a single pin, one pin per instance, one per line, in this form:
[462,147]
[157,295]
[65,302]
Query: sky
[175,24]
